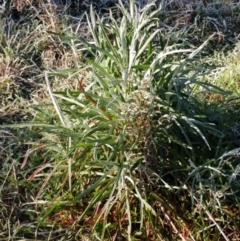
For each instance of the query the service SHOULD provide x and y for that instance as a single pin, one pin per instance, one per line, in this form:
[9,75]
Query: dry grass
[156,196]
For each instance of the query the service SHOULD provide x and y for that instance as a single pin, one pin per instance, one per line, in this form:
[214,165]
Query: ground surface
[30,45]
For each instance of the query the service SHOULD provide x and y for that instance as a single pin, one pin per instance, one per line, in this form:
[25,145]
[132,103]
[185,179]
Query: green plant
[135,101]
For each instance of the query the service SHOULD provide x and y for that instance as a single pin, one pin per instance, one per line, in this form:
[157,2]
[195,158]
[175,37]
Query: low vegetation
[120,124]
